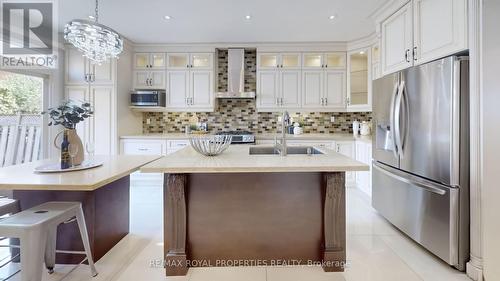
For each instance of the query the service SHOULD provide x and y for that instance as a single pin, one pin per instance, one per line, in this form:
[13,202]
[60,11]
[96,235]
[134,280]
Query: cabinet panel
[312,61]
[439,28]
[177,61]
[267,89]
[157,60]
[143,147]
[201,88]
[312,85]
[347,148]
[397,40]
[103,73]
[141,79]
[334,94]
[157,79]
[290,81]
[102,121]
[291,61]
[335,60]
[202,61]
[267,60]
[177,88]
[141,60]
[80,94]
[76,67]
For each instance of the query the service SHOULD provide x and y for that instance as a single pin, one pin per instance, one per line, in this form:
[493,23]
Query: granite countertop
[314,136]
[236,159]
[23,177]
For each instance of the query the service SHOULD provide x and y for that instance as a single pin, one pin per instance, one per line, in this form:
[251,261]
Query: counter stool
[36,228]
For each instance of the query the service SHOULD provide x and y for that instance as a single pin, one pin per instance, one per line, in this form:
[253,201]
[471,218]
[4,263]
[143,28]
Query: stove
[239,136]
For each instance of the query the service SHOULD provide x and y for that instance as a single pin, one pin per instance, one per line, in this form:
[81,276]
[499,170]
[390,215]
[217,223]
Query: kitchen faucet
[285,122]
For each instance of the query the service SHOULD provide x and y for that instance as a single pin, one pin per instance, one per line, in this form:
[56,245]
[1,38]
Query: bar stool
[36,228]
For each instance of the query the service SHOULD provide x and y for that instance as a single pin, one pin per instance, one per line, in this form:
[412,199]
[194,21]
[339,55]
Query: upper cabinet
[422,31]
[359,97]
[335,60]
[440,28]
[149,61]
[80,70]
[190,61]
[190,82]
[397,40]
[269,61]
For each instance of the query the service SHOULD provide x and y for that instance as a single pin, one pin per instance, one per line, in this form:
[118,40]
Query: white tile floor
[375,251]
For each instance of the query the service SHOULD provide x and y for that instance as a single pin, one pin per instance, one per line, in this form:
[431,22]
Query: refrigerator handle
[392,120]
[424,184]
[397,118]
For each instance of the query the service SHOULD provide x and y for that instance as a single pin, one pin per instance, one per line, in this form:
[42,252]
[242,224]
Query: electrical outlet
[332,119]
[148,121]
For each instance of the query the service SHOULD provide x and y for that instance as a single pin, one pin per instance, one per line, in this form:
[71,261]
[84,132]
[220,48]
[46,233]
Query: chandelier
[97,42]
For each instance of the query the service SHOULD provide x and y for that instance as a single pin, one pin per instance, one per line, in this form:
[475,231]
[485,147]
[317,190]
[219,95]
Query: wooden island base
[254,219]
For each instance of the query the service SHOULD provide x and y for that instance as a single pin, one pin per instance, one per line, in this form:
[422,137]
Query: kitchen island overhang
[238,209]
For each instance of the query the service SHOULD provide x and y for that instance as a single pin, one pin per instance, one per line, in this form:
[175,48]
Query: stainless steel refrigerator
[421,155]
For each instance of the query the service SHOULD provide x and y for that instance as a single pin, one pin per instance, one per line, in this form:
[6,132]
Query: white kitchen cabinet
[359,82]
[190,90]
[176,145]
[143,147]
[149,61]
[323,90]
[190,61]
[80,70]
[397,40]
[333,60]
[348,148]
[145,79]
[422,31]
[364,155]
[375,61]
[267,61]
[278,89]
[100,128]
[440,28]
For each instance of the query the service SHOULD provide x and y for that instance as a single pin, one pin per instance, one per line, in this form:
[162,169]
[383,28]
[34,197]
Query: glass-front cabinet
[359,95]
[149,60]
[334,60]
[278,60]
[190,60]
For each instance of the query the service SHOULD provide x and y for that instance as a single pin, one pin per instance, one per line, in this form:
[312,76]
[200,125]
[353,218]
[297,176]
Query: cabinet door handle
[322,101]
[326,101]
[187,65]
[281,101]
[326,65]
[86,77]
[407,55]
[322,66]
[92,77]
[277,101]
[415,53]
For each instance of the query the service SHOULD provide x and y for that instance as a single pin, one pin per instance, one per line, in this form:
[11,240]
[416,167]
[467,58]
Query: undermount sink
[291,150]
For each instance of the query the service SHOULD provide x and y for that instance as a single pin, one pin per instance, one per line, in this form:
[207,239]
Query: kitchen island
[103,192]
[238,209]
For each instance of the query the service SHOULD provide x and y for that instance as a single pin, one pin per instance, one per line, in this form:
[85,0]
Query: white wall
[491,139]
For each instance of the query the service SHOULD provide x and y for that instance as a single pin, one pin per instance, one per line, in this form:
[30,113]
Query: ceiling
[203,21]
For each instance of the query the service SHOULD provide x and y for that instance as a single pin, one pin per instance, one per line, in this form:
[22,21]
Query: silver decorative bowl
[211,145]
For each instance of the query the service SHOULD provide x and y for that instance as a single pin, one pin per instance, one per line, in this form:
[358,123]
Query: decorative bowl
[211,145]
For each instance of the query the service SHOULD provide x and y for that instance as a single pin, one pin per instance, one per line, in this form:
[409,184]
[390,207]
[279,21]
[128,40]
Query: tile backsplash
[241,114]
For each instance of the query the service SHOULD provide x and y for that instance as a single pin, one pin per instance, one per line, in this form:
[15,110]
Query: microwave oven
[147,98]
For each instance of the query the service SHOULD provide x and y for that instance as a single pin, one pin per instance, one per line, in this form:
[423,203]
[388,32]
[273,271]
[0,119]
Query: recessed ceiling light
[362,52]
[167,17]
[332,17]
[248,17]
[92,17]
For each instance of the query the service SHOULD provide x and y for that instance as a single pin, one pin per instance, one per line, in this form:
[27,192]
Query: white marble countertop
[315,136]
[236,159]
[23,177]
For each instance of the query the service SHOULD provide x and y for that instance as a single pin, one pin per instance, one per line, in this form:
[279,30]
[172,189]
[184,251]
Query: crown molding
[387,9]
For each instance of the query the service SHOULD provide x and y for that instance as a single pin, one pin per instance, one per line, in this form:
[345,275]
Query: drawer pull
[143,149]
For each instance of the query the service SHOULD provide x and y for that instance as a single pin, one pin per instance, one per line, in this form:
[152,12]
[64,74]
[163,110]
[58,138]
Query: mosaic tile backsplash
[241,114]
[234,114]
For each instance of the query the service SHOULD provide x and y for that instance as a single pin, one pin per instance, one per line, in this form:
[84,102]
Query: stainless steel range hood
[236,77]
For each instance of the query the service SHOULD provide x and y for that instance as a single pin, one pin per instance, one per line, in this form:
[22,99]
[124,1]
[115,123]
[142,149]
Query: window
[21,102]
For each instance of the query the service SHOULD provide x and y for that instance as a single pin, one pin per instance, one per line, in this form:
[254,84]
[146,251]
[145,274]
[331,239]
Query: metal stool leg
[32,249]
[85,238]
[50,249]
